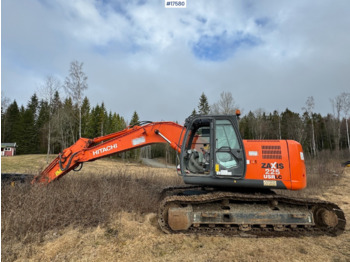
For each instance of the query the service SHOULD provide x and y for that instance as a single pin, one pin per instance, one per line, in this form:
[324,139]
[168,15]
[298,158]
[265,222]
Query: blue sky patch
[201,19]
[103,7]
[223,46]
[262,21]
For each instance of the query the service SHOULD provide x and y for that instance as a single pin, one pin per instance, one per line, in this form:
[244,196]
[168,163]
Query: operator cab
[212,149]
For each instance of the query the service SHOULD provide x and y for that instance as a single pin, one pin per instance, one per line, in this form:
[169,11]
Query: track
[327,218]
[16,178]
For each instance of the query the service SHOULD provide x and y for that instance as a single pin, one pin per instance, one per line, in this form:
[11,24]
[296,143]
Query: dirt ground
[135,237]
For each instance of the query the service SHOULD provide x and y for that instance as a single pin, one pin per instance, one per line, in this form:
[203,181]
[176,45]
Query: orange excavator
[230,180]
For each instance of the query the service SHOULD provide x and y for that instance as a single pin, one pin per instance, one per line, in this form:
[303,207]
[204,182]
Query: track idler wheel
[326,218]
[179,218]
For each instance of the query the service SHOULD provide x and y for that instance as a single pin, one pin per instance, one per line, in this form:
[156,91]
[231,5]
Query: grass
[87,199]
[24,164]
[113,204]
[29,211]
[322,173]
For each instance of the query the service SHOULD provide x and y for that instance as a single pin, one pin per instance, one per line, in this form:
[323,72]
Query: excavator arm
[85,149]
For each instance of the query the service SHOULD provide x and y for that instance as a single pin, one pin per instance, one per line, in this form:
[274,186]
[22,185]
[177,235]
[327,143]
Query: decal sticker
[58,172]
[224,173]
[272,170]
[138,141]
[253,153]
[270,183]
[104,149]
[272,165]
[302,156]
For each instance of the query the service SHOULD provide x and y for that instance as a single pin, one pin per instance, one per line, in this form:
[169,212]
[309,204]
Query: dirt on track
[131,236]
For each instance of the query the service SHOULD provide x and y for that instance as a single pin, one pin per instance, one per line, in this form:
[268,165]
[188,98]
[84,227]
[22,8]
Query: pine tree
[13,128]
[33,106]
[29,122]
[194,112]
[203,106]
[85,112]
[4,105]
[102,120]
[67,125]
[134,154]
[28,143]
[275,130]
[93,124]
[56,113]
[292,126]
[135,119]
[121,123]
[42,126]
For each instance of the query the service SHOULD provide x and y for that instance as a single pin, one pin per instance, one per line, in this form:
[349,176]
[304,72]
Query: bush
[29,211]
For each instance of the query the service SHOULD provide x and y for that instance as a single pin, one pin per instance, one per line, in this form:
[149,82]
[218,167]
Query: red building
[8,149]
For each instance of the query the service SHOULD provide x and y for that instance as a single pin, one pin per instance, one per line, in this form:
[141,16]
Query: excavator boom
[91,149]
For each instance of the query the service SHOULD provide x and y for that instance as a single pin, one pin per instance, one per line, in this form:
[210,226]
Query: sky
[140,56]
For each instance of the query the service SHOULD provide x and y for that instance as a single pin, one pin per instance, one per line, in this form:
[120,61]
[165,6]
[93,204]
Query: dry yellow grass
[135,237]
[34,164]
[24,164]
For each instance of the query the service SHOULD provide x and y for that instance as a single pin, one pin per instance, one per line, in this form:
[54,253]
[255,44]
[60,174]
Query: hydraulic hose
[69,161]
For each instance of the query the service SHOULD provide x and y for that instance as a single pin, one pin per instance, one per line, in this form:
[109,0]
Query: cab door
[229,156]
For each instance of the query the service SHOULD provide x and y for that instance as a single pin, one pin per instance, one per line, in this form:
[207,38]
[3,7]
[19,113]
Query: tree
[98,122]
[42,127]
[310,104]
[203,106]
[28,142]
[49,91]
[225,106]
[260,124]
[93,124]
[275,130]
[33,106]
[194,112]
[337,104]
[135,119]
[5,101]
[75,84]
[29,119]
[13,129]
[346,110]
[67,127]
[102,119]
[121,123]
[57,112]
[292,126]
[85,112]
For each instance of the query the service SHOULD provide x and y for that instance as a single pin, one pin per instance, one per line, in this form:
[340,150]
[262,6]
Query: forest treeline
[29,126]
[55,120]
[315,132]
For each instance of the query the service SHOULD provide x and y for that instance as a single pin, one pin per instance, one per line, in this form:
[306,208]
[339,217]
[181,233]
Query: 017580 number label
[175,4]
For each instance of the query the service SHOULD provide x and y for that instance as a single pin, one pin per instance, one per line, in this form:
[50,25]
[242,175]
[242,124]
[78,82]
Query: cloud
[141,56]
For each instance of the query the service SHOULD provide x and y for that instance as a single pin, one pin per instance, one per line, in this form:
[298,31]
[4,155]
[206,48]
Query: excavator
[230,182]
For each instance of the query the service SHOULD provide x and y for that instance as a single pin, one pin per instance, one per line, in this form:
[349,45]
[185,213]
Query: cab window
[226,141]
